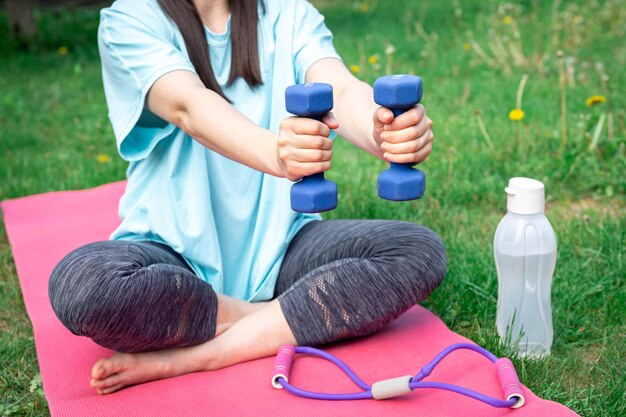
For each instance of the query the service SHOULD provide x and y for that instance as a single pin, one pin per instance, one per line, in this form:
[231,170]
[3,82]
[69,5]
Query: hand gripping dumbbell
[314,193]
[399,93]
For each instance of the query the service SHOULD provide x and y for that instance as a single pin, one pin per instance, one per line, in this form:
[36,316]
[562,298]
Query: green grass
[53,128]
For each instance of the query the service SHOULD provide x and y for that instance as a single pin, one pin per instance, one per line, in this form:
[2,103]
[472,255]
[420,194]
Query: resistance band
[389,388]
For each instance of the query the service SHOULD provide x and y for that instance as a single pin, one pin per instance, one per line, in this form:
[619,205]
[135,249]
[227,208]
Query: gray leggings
[339,279]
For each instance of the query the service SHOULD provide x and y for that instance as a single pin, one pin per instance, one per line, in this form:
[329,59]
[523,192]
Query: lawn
[479,60]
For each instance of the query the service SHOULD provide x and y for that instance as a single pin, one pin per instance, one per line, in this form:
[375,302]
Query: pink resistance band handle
[511,387]
[282,364]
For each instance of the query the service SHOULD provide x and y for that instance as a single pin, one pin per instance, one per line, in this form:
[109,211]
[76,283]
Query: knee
[435,257]
[425,254]
[77,282]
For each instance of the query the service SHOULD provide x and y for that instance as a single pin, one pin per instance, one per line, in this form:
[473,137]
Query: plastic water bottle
[525,254]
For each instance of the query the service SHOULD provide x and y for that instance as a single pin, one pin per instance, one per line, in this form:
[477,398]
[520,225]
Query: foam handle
[511,387]
[282,364]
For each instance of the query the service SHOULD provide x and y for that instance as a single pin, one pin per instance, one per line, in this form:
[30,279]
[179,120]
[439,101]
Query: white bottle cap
[525,196]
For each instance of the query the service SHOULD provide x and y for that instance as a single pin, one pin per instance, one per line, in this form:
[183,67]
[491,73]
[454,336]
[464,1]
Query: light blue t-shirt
[232,224]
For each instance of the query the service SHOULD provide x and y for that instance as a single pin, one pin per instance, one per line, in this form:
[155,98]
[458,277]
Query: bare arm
[180,98]
[405,139]
[354,105]
[300,148]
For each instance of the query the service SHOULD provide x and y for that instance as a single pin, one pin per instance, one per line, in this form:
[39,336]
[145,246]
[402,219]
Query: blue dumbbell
[314,193]
[399,93]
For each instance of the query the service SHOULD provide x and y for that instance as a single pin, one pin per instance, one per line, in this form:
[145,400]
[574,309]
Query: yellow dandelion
[516,115]
[576,19]
[103,158]
[593,100]
[373,59]
[63,50]
[507,20]
[467,46]
[364,6]
[355,68]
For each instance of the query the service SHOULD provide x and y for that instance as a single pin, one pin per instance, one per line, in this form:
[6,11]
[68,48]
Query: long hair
[245,52]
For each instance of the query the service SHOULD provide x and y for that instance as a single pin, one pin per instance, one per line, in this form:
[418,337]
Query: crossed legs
[339,279]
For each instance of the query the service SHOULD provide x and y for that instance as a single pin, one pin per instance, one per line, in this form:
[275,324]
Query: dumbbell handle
[395,165]
[320,175]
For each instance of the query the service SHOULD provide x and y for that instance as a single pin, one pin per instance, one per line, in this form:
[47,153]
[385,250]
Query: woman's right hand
[304,147]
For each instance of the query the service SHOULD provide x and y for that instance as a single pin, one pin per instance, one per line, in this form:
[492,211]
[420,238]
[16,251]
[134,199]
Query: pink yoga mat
[43,228]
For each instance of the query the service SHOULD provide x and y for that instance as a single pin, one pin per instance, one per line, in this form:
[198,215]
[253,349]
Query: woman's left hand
[406,139]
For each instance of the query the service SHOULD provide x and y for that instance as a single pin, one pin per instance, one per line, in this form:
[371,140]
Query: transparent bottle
[525,256]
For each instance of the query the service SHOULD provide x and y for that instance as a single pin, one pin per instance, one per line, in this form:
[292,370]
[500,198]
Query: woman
[210,266]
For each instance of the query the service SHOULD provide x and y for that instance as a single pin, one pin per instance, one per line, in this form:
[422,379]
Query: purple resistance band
[390,388]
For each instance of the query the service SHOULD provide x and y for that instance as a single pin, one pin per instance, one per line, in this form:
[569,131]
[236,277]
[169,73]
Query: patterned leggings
[339,279]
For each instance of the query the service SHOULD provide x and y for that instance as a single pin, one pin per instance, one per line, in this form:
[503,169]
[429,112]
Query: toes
[106,367]
[108,390]
[100,370]
[107,382]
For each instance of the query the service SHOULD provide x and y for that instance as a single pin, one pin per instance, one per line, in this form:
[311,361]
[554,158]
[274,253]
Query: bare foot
[125,369]
[256,335]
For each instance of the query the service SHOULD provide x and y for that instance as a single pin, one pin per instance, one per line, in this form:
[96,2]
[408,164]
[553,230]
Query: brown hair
[245,53]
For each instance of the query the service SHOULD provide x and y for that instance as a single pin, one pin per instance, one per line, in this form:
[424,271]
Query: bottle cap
[525,196]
